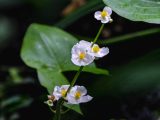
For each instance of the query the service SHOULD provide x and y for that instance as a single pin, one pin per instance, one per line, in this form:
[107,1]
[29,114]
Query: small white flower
[78,95]
[80,56]
[60,91]
[96,51]
[104,16]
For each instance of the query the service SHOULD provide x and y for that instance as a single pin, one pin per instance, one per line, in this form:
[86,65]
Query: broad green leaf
[139,76]
[48,50]
[51,78]
[137,10]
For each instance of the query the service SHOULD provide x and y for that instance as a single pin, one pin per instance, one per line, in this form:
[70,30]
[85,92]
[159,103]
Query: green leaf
[48,49]
[137,77]
[74,107]
[137,10]
[51,78]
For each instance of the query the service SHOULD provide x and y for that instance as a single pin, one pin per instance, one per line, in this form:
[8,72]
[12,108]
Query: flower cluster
[84,53]
[77,94]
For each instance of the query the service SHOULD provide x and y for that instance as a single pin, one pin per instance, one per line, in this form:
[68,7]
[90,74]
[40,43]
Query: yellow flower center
[63,92]
[77,95]
[95,49]
[82,55]
[104,14]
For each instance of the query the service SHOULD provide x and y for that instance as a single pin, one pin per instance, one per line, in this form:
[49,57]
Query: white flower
[60,91]
[96,51]
[104,16]
[80,56]
[78,95]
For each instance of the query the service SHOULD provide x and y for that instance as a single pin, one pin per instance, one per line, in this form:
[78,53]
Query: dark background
[22,96]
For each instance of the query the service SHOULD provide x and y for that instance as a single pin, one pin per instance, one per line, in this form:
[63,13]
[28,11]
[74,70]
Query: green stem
[58,110]
[52,110]
[66,111]
[98,34]
[75,79]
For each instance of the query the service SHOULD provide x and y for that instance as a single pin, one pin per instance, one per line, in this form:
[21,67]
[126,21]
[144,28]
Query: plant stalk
[98,34]
[61,101]
[58,110]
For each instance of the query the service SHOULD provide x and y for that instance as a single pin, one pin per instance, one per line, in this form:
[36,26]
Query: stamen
[82,55]
[77,95]
[104,14]
[95,49]
[63,92]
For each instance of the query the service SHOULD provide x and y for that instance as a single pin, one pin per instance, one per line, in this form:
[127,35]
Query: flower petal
[88,59]
[57,95]
[83,99]
[82,90]
[104,51]
[108,10]
[65,87]
[71,99]
[100,53]
[97,15]
[71,96]
[86,98]
[73,90]
[105,20]
[84,43]
[57,91]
